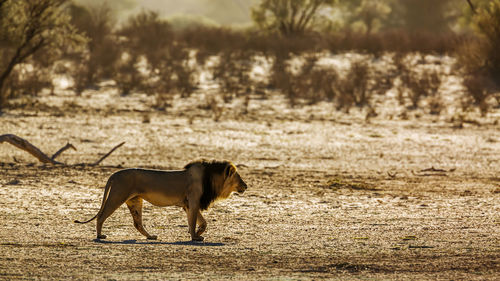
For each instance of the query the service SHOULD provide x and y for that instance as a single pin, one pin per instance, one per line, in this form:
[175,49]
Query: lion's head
[220,179]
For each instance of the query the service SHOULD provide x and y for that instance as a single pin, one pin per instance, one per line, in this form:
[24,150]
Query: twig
[420,247]
[28,147]
[432,169]
[419,174]
[106,155]
[472,7]
[62,149]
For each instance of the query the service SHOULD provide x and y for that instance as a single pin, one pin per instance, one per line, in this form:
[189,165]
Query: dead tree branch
[28,147]
[106,155]
[432,172]
[62,149]
[42,157]
[432,169]
[472,7]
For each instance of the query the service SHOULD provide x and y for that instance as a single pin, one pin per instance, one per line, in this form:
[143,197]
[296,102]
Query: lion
[194,189]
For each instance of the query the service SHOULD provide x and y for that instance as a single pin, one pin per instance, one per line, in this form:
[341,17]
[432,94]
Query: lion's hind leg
[114,200]
[135,207]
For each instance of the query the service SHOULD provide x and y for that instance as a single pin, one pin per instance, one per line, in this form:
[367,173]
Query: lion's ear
[229,171]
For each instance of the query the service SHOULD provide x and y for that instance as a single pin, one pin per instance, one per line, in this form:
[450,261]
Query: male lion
[194,189]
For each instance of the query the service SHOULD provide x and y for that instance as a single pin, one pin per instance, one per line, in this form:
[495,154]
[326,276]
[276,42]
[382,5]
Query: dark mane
[211,167]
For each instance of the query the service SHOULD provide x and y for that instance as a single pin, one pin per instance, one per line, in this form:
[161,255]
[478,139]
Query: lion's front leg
[192,215]
[202,224]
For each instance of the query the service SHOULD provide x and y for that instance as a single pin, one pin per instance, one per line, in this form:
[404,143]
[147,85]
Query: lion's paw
[152,237]
[102,236]
[198,239]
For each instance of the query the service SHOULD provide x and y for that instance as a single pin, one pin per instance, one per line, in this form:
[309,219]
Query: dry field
[330,195]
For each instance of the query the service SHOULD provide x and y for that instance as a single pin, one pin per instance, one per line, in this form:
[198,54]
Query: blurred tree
[148,35]
[424,15]
[469,8]
[182,22]
[411,15]
[97,23]
[221,12]
[227,11]
[487,22]
[370,13]
[480,58]
[121,9]
[156,62]
[28,28]
[147,39]
[289,17]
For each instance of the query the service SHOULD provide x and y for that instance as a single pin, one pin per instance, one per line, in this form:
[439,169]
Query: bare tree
[26,27]
[289,17]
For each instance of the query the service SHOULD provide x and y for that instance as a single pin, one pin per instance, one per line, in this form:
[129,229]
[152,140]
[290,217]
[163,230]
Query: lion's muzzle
[242,187]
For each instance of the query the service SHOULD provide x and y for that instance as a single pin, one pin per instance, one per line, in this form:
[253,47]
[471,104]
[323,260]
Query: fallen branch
[432,169]
[419,174]
[28,147]
[42,157]
[432,172]
[106,155]
[67,146]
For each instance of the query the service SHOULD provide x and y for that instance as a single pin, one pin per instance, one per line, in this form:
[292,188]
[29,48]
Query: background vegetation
[145,52]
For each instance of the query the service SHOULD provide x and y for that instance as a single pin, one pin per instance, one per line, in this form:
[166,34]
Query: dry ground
[330,195]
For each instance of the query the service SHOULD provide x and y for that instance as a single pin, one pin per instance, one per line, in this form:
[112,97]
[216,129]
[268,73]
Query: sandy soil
[330,195]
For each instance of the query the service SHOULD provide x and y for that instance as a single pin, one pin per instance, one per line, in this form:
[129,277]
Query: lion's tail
[104,198]
[93,218]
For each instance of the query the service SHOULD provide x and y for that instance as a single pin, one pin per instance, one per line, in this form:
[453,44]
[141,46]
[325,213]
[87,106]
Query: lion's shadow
[147,242]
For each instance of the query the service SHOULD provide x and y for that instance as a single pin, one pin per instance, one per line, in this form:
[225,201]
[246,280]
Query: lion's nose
[243,185]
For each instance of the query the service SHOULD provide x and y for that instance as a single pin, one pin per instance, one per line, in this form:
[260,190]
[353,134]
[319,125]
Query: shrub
[314,83]
[127,76]
[423,84]
[29,80]
[153,60]
[477,89]
[436,105]
[394,40]
[356,85]
[415,83]
[233,73]
[480,57]
[488,24]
